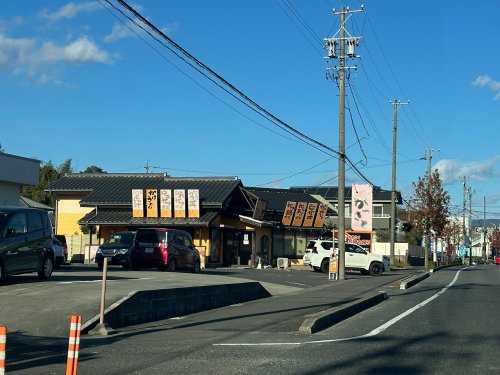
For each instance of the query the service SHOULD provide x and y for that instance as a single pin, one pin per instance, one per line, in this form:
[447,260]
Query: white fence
[402,251]
[78,246]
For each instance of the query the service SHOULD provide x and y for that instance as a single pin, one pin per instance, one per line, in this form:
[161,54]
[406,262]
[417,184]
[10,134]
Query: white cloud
[451,170]
[70,10]
[119,31]
[40,60]
[487,81]
[80,51]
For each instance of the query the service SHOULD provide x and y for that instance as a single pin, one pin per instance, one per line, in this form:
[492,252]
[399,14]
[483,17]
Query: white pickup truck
[318,253]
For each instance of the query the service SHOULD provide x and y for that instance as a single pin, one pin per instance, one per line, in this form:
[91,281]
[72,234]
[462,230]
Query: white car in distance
[318,253]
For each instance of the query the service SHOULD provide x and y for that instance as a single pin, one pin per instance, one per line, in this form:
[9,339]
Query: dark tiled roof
[23,201]
[277,198]
[124,217]
[331,193]
[116,189]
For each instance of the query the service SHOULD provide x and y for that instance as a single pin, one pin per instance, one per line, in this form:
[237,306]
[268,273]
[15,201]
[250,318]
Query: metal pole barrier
[103,289]
[3,348]
[74,344]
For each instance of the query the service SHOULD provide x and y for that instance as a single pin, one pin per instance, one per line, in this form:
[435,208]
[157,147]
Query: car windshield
[121,238]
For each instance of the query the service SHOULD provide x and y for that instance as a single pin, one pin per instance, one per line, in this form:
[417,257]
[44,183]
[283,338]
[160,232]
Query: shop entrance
[237,247]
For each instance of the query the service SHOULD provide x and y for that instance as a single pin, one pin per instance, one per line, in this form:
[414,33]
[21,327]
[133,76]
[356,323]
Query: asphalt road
[279,316]
[447,324]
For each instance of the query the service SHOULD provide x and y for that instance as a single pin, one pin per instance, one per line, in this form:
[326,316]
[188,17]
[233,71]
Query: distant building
[14,172]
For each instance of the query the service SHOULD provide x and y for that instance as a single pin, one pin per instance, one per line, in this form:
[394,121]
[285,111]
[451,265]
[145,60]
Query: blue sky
[78,84]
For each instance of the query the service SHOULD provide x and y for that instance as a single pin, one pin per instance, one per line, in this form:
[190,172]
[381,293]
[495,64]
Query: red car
[164,248]
[497,259]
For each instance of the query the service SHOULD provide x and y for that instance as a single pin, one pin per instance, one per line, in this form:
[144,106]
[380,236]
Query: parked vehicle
[58,252]
[497,258]
[356,258]
[166,249]
[117,248]
[62,240]
[26,243]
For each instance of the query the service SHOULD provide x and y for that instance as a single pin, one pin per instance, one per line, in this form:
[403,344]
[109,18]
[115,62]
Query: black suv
[117,249]
[25,242]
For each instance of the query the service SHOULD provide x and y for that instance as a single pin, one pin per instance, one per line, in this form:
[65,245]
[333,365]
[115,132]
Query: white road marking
[98,281]
[290,282]
[374,332]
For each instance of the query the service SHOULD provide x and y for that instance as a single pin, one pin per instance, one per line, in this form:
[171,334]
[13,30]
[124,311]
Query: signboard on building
[260,209]
[300,212]
[320,215]
[137,203]
[193,203]
[151,203]
[361,207]
[360,238]
[288,214]
[166,203]
[310,213]
[179,203]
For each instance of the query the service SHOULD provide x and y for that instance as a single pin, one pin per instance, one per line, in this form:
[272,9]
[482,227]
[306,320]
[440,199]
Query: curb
[327,318]
[414,280]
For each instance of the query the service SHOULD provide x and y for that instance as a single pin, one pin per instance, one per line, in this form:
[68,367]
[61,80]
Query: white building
[14,172]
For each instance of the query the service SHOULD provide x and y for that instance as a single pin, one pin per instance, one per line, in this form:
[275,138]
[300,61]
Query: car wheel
[100,265]
[325,266]
[376,268]
[135,266]
[316,269]
[47,268]
[171,265]
[196,267]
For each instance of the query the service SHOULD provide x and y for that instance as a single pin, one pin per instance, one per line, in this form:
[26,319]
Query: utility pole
[333,45]
[396,103]
[464,233]
[470,191]
[483,247]
[428,157]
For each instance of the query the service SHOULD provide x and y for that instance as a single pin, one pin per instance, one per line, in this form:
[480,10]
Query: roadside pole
[336,49]
[102,328]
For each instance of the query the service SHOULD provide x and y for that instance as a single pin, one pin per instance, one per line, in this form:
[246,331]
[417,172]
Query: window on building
[278,241]
[301,243]
[378,211]
[289,244]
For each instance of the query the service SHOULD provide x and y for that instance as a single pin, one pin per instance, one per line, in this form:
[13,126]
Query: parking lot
[43,308]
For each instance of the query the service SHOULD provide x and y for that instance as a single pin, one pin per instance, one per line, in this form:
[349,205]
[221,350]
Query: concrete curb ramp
[152,305]
[327,318]
[414,280]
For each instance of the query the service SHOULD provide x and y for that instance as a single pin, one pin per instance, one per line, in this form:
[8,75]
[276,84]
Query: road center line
[372,333]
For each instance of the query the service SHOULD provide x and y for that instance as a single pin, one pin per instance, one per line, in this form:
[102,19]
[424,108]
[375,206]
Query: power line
[303,22]
[246,99]
[194,80]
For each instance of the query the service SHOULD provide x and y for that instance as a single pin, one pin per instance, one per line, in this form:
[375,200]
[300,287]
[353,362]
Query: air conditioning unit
[283,263]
